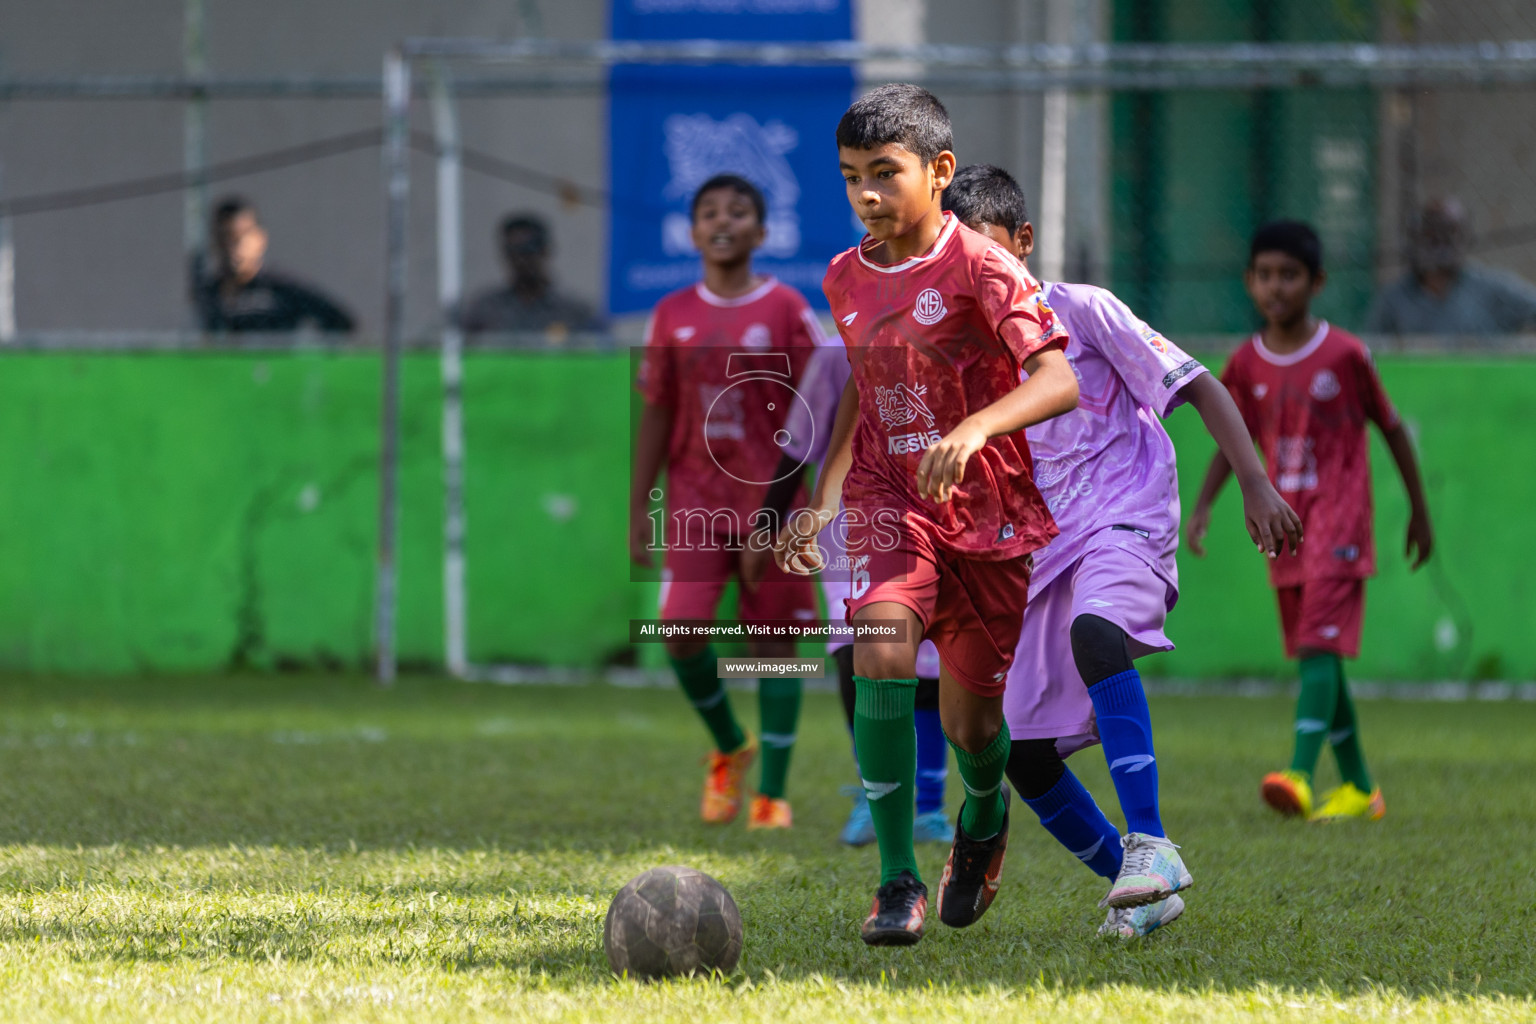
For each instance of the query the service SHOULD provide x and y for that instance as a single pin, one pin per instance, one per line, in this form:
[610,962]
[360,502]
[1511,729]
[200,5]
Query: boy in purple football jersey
[1101,590]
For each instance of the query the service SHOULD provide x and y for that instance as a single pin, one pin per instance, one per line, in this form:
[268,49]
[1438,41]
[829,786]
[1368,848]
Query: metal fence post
[397,110]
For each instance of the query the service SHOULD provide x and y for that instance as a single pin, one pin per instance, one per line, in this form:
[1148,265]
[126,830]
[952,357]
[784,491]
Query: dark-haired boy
[721,358]
[930,458]
[1101,591]
[1306,391]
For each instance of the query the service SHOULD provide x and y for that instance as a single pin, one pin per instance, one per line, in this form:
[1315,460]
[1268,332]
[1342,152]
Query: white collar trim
[1291,358]
[911,261]
[740,300]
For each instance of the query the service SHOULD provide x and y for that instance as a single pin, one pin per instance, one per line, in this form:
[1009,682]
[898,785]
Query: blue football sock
[932,761]
[1125,727]
[1068,812]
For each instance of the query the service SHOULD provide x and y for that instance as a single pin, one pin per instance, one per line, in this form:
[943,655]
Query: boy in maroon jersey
[720,364]
[1306,391]
[929,456]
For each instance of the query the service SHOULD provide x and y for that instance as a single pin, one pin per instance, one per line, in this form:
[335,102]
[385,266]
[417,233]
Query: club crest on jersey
[1151,337]
[929,309]
[1324,386]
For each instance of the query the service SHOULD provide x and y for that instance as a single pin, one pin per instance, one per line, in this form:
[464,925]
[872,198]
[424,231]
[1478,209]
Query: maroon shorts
[970,609]
[692,582]
[1323,615]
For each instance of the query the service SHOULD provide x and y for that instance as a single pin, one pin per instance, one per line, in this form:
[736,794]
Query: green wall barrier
[1466,614]
[196,511]
[187,512]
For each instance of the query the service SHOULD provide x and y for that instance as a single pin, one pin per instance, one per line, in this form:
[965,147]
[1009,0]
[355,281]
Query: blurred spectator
[1444,292]
[242,294]
[529,301]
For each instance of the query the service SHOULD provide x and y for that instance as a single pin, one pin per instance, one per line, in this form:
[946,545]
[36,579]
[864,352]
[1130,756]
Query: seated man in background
[1444,292]
[528,301]
[242,294]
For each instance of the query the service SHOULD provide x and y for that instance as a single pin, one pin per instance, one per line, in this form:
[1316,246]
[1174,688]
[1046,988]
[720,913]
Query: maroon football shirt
[728,369]
[1308,411]
[931,340]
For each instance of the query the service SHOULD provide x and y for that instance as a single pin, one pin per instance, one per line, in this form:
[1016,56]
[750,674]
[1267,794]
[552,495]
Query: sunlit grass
[312,849]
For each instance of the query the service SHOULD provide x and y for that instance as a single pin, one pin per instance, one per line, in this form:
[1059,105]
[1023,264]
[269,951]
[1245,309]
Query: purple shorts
[1046,697]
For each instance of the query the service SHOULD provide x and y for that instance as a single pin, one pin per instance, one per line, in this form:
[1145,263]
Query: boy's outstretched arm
[795,550]
[1420,535]
[650,453]
[1271,522]
[1050,391]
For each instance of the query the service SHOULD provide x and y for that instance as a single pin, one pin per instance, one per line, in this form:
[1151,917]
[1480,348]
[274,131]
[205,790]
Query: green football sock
[706,693]
[885,738]
[1345,737]
[982,813]
[778,705]
[1315,705]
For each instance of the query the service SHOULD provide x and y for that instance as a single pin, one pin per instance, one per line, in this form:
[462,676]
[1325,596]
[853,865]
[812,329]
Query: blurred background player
[529,301]
[1306,390]
[810,427]
[928,453]
[244,294]
[713,424]
[1101,591]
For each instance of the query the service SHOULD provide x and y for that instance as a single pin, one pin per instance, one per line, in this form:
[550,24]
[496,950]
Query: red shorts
[692,582]
[1323,615]
[970,609]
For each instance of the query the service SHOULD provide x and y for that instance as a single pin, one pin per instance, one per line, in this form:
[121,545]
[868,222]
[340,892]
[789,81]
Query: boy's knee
[882,661]
[975,735]
[1034,767]
[1098,648]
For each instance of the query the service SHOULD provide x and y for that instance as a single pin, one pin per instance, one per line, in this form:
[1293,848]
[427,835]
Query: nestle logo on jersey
[901,444]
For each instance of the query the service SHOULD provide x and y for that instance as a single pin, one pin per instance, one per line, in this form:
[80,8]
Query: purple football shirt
[1110,463]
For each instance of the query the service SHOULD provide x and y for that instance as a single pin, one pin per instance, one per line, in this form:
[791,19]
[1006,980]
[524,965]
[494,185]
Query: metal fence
[1147,164]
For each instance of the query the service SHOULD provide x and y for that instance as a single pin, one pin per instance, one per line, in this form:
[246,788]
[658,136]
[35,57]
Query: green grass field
[304,849]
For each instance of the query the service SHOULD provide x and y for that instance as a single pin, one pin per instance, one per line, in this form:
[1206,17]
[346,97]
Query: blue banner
[672,128]
[800,20]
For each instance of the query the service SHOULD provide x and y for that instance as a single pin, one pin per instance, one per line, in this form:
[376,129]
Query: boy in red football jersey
[720,364]
[1306,391]
[929,456]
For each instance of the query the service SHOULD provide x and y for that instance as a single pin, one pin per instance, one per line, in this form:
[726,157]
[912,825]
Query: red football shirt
[727,368]
[931,340]
[1308,410]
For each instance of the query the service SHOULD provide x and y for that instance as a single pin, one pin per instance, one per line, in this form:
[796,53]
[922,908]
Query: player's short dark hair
[736,183]
[983,194]
[907,115]
[529,222]
[230,207]
[1294,238]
